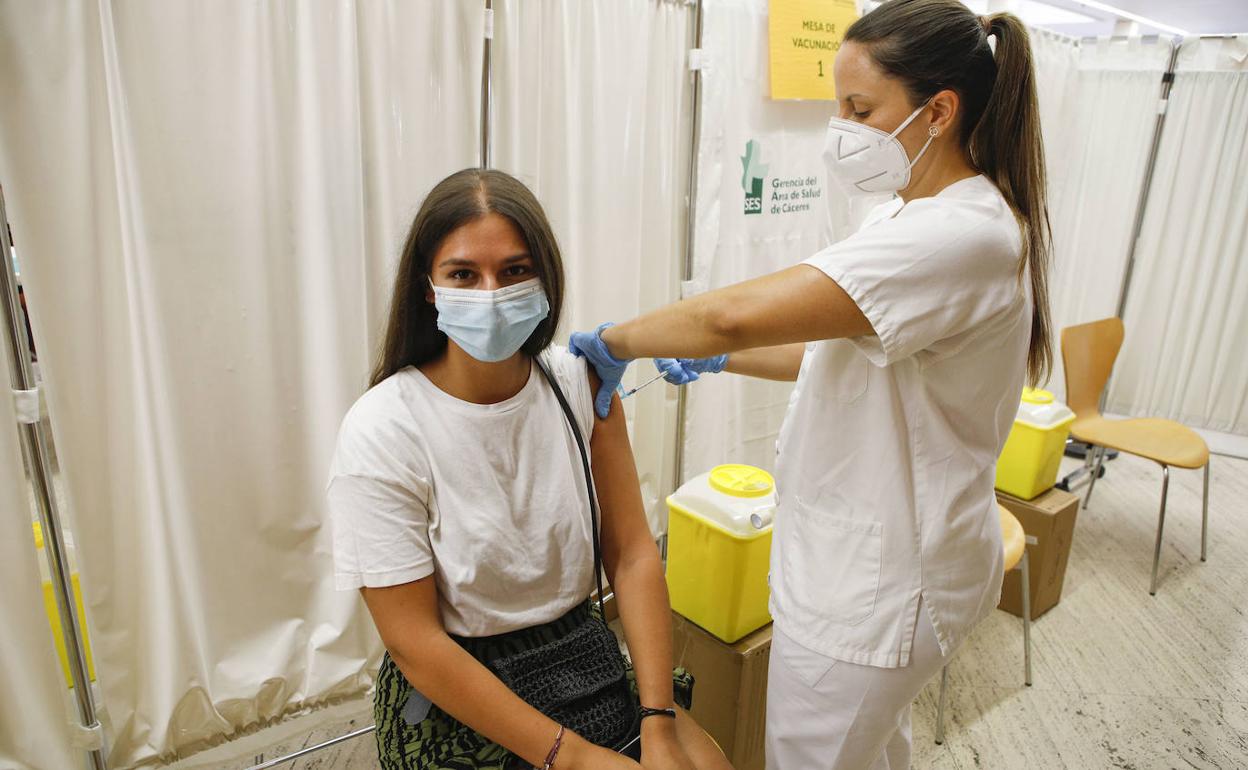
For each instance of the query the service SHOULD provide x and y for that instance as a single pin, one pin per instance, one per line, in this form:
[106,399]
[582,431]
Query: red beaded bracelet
[554,750]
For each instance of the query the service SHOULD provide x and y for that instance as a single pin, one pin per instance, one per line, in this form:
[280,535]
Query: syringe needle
[660,376]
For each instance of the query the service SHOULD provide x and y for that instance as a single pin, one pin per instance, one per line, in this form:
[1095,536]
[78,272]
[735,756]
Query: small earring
[933,131]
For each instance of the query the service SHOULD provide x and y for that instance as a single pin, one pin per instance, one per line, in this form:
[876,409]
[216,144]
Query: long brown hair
[934,45]
[412,333]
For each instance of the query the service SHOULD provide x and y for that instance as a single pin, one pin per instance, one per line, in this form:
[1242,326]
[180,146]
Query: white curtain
[34,718]
[1056,60]
[592,112]
[1097,132]
[1186,316]
[210,198]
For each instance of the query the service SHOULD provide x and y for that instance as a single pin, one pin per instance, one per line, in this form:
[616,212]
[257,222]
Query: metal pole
[1167,82]
[487,83]
[312,749]
[691,216]
[35,444]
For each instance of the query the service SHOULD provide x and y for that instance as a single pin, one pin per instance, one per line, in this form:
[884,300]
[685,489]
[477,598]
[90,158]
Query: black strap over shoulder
[589,479]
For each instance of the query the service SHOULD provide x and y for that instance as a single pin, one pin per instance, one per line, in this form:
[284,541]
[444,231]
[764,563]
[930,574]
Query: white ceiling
[1192,16]
[1093,18]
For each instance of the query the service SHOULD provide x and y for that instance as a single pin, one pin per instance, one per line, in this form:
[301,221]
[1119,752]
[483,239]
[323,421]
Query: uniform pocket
[807,665]
[849,372]
[832,564]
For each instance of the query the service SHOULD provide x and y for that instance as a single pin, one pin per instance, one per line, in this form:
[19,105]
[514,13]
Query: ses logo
[753,172]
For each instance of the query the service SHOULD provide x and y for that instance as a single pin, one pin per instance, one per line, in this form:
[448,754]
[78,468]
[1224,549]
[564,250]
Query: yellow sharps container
[718,546]
[1033,451]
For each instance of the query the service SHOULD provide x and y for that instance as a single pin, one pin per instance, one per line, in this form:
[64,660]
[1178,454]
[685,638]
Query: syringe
[626,394]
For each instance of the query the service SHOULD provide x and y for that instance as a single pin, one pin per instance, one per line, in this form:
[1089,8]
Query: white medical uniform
[887,547]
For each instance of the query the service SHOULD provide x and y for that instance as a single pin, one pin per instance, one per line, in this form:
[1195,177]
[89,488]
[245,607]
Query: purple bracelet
[554,750]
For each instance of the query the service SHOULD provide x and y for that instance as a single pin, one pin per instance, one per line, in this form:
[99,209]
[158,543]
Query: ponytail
[933,45]
[1006,145]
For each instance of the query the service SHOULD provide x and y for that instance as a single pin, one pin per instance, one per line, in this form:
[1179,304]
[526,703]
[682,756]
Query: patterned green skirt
[414,734]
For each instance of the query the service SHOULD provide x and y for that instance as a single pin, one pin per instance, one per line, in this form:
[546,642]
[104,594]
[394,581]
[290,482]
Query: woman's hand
[660,750]
[610,369]
[579,754]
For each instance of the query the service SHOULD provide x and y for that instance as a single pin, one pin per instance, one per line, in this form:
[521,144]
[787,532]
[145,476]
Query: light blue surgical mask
[491,325]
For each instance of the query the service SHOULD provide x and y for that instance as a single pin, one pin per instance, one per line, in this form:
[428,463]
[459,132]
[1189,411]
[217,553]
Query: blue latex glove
[610,369]
[682,371]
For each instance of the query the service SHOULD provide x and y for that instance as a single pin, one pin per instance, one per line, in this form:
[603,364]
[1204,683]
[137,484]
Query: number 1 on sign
[821,68]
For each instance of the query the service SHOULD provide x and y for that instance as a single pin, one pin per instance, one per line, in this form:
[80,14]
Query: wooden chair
[1088,354]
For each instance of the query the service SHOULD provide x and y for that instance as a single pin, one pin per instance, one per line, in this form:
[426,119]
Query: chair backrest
[1088,354]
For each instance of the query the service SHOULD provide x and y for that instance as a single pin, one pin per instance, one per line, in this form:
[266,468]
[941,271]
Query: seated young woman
[462,510]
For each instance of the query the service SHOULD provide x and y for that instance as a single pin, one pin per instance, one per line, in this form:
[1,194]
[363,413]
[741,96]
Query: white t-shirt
[887,454]
[489,498]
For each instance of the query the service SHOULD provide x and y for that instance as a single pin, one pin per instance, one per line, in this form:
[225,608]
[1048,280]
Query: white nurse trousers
[825,714]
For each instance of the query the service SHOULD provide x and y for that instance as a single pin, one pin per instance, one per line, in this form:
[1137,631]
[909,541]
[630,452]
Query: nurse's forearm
[779,362]
[799,304]
[692,328]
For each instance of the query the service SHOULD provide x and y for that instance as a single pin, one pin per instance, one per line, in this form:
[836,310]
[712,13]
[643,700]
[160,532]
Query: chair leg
[1096,473]
[940,709]
[1204,517]
[1026,618]
[1161,523]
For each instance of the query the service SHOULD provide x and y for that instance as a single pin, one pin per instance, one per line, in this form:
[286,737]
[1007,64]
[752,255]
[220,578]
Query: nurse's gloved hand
[610,369]
[682,371]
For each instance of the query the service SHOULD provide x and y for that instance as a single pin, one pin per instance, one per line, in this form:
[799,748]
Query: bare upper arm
[404,612]
[625,530]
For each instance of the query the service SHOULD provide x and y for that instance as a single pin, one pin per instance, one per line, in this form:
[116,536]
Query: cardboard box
[1049,521]
[730,688]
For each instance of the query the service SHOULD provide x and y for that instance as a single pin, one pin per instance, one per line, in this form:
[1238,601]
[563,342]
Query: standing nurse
[910,342]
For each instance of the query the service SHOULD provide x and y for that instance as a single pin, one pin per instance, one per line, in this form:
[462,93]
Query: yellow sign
[805,36]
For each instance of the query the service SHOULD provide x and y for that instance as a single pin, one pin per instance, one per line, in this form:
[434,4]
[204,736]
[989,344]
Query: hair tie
[986,23]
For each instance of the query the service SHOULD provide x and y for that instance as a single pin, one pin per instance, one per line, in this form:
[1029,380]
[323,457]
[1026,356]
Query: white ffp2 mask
[862,159]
